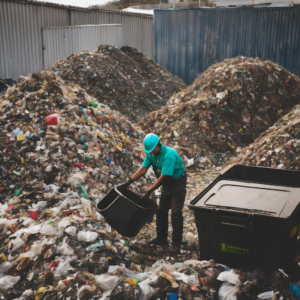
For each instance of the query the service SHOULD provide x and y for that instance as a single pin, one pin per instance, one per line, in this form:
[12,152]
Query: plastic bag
[71,230]
[65,249]
[76,179]
[50,230]
[81,292]
[8,282]
[63,267]
[16,244]
[229,276]
[8,222]
[86,204]
[266,295]
[40,204]
[146,290]
[87,236]
[4,267]
[107,282]
[64,223]
[227,291]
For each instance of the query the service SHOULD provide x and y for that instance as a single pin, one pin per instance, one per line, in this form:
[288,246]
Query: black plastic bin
[125,212]
[248,217]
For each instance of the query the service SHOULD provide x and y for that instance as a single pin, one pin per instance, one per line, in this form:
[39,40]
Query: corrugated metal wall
[188,41]
[60,42]
[21,26]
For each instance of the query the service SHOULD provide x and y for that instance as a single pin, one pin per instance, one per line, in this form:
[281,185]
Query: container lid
[278,201]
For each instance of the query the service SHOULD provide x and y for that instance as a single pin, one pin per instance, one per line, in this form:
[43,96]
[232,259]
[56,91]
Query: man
[170,172]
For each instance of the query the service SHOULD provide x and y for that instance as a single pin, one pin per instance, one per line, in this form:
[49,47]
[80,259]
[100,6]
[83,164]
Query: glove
[121,187]
[144,195]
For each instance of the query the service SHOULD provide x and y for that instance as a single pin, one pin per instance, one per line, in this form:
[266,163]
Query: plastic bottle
[94,104]
[83,192]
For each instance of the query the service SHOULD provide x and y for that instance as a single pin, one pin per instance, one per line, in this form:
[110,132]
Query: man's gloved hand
[145,195]
[121,187]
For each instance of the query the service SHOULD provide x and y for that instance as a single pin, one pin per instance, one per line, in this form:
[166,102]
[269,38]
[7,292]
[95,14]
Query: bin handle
[250,217]
[125,198]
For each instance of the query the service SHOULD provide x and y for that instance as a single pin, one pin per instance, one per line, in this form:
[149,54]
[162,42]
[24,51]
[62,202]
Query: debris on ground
[226,108]
[61,150]
[277,147]
[5,84]
[124,79]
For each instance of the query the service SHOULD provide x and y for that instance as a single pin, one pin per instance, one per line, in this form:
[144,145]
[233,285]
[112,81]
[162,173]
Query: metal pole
[173,4]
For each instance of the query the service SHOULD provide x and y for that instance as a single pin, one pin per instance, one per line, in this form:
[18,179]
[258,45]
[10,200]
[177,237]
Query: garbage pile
[5,84]
[124,79]
[226,107]
[277,147]
[52,132]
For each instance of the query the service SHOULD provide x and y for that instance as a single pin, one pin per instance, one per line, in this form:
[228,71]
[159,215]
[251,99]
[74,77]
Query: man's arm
[139,173]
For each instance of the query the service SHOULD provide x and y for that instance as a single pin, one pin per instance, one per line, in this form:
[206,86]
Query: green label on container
[234,249]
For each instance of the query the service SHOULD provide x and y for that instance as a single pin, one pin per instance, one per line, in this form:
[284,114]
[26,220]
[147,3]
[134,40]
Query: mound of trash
[5,84]
[124,79]
[61,150]
[277,147]
[226,107]
[55,133]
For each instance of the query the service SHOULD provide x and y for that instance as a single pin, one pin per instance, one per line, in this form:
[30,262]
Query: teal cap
[150,142]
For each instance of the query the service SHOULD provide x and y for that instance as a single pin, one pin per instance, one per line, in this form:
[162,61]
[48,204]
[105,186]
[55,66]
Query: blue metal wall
[188,41]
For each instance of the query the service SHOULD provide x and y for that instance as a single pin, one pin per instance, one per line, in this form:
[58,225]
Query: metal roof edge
[226,8]
[69,7]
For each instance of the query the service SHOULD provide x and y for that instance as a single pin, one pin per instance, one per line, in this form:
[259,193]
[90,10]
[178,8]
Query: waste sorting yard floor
[63,148]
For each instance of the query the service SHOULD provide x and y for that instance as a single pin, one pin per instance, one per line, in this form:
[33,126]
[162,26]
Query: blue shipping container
[188,41]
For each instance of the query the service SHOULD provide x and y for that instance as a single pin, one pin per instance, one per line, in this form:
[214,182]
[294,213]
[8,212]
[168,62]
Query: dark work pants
[175,202]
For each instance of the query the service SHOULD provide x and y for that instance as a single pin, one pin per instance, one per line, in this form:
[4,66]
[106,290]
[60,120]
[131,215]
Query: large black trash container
[249,217]
[125,212]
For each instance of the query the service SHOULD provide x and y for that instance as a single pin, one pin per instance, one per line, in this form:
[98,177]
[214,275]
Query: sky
[81,3]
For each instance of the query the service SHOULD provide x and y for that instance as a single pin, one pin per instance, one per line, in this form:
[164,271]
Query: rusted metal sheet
[188,41]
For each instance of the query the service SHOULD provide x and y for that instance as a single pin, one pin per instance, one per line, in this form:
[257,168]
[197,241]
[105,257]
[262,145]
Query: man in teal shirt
[170,172]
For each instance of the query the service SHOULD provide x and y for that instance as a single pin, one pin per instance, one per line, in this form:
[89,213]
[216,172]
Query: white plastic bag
[8,222]
[76,179]
[65,249]
[86,204]
[4,267]
[227,291]
[3,209]
[40,204]
[266,295]
[87,236]
[64,223]
[16,244]
[71,230]
[147,291]
[63,267]
[50,230]
[8,282]
[229,276]
[106,282]
[81,291]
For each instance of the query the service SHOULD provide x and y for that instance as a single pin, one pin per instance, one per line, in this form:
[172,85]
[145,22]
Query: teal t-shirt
[168,162]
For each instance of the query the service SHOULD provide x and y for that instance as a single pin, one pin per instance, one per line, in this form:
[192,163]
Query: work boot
[158,242]
[175,249]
